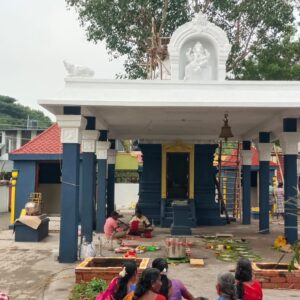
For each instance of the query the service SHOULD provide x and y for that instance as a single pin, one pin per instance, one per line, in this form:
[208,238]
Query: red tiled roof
[48,142]
[230,160]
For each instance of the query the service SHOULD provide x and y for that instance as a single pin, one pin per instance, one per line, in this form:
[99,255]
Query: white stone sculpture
[198,57]
[212,38]
[78,71]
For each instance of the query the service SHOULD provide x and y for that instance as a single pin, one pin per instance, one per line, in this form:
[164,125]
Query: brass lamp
[226,129]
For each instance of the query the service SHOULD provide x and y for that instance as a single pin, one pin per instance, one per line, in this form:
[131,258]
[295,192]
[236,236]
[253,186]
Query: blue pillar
[25,183]
[246,170]
[264,147]
[89,138]
[289,143]
[101,149]
[69,204]
[88,161]
[71,126]
[111,160]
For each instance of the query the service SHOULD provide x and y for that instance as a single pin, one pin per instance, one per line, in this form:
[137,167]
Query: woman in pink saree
[120,286]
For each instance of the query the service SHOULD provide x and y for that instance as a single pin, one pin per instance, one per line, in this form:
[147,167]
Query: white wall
[126,195]
[4,198]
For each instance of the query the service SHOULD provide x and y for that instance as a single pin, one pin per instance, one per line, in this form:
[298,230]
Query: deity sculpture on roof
[197,66]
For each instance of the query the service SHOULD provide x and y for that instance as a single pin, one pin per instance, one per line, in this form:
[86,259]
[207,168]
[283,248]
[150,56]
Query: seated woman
[247,289]
[226,288]
[147,287]
[112,228]
[172,289]
[123,284]
[139,224]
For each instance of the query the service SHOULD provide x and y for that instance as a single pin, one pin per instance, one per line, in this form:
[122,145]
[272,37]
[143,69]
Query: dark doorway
[178,175]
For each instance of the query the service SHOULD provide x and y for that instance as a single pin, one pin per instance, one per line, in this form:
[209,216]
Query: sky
[35,37]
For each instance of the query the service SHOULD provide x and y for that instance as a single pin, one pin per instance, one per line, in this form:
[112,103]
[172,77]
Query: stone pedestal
[181,222]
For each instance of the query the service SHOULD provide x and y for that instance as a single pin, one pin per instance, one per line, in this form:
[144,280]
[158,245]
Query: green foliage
[125,26]
[280,60]
[254,28]
[88,290]
[13,114]
[296,256]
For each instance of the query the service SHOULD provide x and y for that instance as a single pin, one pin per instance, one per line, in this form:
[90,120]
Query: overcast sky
[35,37]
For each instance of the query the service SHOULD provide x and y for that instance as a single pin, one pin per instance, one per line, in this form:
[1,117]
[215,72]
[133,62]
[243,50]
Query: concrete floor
[4,220]
[30,270]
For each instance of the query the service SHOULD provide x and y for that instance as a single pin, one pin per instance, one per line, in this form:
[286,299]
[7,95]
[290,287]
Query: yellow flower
[279,242]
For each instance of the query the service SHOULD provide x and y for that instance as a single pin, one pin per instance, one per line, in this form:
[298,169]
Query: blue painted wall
[150,181]
[207,210]
[25,183]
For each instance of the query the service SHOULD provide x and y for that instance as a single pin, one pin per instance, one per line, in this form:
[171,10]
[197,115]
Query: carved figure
[78,71]
[198,58]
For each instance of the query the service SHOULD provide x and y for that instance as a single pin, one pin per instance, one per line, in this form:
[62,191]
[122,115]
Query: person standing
[271,199]
[280,201]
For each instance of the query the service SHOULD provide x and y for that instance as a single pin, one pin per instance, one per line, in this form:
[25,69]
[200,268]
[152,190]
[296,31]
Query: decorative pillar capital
[101,149]
[264,150]
[89,138]
[289,142]
[71,126]
[247,157]
[111,156]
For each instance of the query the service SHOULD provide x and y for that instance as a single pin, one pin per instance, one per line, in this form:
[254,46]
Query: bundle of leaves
[229,250]
[88,290]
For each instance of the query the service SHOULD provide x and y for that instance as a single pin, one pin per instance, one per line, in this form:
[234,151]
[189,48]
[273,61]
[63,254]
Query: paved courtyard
[30,270]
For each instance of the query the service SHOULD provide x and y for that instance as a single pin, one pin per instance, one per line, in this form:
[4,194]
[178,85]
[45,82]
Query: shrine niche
[198,51]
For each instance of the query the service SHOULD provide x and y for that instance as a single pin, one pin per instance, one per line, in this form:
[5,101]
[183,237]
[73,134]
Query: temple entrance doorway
[178,176]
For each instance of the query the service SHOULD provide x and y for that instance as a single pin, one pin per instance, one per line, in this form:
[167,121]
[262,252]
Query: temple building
[177,123]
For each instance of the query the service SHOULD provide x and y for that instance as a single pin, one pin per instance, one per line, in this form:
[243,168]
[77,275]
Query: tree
[125,25]
[279,60]
[14,115]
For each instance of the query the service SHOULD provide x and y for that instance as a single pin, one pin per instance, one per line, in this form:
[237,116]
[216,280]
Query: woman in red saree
[148,287]
[247,288]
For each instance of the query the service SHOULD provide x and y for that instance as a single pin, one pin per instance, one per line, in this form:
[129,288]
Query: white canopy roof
[168,110]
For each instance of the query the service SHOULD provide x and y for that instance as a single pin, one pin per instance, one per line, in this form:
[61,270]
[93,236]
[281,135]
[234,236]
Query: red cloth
[148,234]
[134,226]
[4,296]
[252,291]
